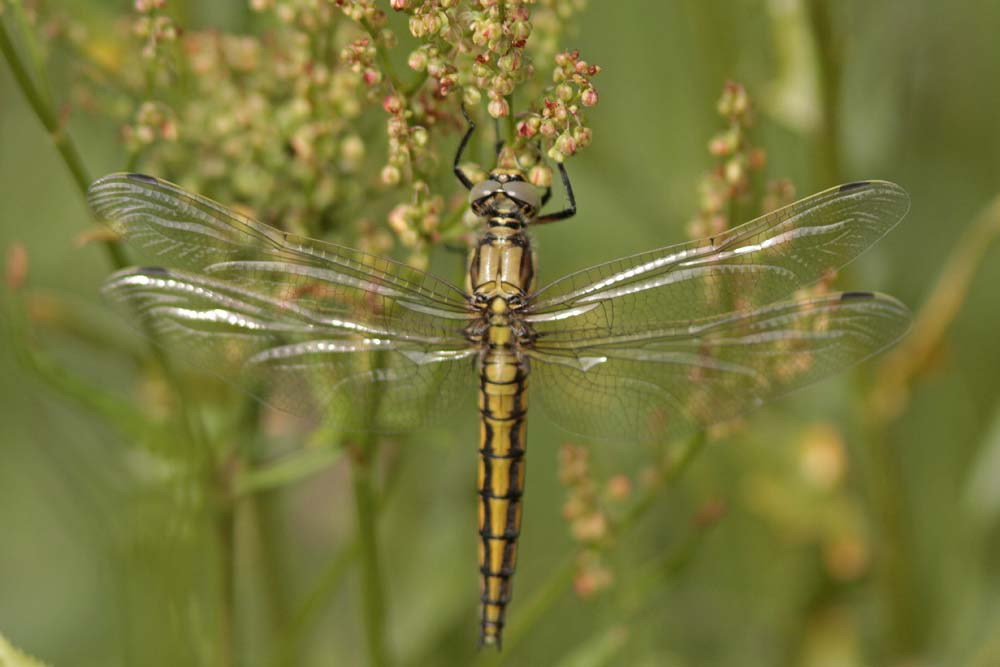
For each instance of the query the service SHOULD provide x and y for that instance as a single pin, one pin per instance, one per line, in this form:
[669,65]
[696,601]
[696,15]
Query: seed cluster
[590,509]
[308,122]
[730,193]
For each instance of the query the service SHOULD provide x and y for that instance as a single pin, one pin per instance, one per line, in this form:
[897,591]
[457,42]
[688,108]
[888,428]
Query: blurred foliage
[11,657]
[853,524]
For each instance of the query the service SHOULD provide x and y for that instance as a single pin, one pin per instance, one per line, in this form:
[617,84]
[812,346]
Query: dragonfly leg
[567,212]
[546,195]
[461,149]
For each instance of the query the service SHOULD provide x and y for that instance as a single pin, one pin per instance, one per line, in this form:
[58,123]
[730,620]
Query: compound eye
[524,193]
[482,191]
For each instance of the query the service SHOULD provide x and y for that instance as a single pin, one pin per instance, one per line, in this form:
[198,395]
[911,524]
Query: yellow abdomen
[503,407]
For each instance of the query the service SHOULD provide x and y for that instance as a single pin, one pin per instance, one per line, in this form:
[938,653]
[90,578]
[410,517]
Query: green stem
[383,58]
[329,581]
[511,125]
[541,600]
[830,64]
[887,399]
[671,474]
[373,596]
[265,509]
[930,326]
[47,117]
[289,470]
[226,532]
[893,569]
[661,569]
[71,158]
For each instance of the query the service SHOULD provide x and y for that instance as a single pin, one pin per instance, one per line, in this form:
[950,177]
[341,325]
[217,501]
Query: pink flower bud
[498,108]
[399,218]
[589,97]
[619,487]
[392,104]
[520,30]
[471,96]
[565,144]
[417,27]
[418,60]
[420,137]
[390,176]
[437,67]
[17,266]
[540,176]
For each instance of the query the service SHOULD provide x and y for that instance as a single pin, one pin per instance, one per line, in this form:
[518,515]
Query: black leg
[546,196]
[568,212]
[461,149]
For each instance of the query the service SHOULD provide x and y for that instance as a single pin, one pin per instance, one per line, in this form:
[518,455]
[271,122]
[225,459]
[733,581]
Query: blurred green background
[894,561]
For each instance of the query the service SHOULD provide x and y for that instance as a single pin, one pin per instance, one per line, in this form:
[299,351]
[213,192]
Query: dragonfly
[646,347]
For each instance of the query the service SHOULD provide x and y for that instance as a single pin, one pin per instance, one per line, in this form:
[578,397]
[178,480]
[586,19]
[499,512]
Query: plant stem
[38,101]
[47,117]
[830,64]
[672,473]
[289,470]
[371,577]
[329,581]
[893,569]
[887,399]
[226,530]
[898,368]
[541,600]
[383,57]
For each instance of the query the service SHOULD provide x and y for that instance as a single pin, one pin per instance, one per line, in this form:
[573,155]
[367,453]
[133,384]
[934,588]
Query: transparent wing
[662,383]
[307,326]
[188,231]
[757,263]
[293,357]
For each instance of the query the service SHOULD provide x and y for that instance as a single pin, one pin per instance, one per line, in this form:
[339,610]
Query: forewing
[296,358]
[662,383]
[188,231]
[760,262]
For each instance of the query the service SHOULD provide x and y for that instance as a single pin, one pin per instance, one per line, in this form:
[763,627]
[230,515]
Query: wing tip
[155,270]
[884,186]
[854,185]
[145,178]
[105,193]
[889,307]
[119,177]
[880,297]
[894,198]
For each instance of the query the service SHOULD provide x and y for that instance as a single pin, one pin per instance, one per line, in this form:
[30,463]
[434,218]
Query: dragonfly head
[505,192]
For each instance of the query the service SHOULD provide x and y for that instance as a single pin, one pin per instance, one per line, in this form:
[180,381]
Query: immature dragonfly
[645,347]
